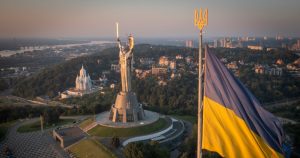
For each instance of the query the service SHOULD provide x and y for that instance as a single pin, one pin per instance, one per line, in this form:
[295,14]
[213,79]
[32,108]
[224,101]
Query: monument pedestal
[126,108]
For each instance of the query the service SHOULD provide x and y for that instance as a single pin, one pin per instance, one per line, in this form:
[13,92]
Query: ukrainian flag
[234,123]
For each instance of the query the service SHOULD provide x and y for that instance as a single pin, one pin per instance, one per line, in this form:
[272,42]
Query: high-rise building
[189,43]
[228,43]
[298,43]
[279,37]
[223,42]
[216,43]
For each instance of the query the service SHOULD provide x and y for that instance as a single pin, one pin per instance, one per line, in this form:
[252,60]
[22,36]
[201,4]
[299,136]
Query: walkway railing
[149,136]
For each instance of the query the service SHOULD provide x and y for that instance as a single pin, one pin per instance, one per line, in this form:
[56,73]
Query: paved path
[36,102]
[175,130]
[103,119]
[32,145]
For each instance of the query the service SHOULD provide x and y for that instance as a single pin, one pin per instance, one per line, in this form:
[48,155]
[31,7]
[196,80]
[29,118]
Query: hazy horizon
[146,19]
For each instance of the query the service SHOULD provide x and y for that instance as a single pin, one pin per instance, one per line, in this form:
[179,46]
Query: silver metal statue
[126,62]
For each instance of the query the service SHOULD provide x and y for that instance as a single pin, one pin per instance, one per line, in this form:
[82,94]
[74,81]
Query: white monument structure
[83,85]
[126,107]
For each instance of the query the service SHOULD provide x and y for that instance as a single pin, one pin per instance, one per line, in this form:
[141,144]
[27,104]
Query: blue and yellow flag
[234,123]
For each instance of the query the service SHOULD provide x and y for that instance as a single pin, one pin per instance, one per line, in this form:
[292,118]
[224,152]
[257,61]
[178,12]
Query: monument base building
[126,108]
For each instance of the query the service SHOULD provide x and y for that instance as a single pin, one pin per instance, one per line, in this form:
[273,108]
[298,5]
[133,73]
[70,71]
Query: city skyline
[153,19]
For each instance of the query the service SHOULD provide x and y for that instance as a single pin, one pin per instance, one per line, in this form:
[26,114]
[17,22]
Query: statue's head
[130,41]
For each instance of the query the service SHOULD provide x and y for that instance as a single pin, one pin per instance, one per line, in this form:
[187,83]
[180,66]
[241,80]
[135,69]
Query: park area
[90,148]
[35,126]
[86,122]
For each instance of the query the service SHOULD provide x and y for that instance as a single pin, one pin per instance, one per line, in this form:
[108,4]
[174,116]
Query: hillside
[56,79]
[178,93]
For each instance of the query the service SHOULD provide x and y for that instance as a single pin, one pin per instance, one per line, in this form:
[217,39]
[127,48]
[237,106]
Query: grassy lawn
[3,129]
[86,122]
[192,119]
[103,131]
[35,126]
[91,148]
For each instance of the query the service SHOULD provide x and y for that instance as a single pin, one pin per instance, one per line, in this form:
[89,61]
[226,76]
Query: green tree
[145,150]
[115,141]
[51,116]
[133,150]
[3,84]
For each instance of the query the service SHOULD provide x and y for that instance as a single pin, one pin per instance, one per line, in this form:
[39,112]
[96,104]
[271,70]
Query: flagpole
[200,21]
[200,111]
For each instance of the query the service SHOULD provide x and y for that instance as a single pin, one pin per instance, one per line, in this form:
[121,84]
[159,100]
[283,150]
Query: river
[7,53]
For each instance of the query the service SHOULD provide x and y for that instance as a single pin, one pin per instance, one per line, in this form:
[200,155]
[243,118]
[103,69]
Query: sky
[147,18]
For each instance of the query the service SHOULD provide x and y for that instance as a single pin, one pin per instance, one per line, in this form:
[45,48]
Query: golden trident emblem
[199,20]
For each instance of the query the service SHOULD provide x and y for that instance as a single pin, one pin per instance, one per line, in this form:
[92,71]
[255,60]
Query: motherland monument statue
[126,107]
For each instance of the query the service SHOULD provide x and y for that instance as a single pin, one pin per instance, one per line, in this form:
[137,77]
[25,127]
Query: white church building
[83,81]
[83,85]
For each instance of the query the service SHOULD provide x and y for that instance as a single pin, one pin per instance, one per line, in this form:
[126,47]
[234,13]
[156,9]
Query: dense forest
[179,96]
[10,113]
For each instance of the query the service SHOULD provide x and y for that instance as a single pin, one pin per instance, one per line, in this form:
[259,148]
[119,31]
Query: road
[282,103]
[38,103]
